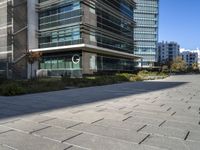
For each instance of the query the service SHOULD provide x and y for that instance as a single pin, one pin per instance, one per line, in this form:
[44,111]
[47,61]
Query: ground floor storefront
[80,62]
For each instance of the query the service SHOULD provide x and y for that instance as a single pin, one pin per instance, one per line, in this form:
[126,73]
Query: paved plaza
[151,115]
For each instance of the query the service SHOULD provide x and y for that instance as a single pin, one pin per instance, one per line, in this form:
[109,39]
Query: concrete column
[89,63]
[32,34]
[32,24]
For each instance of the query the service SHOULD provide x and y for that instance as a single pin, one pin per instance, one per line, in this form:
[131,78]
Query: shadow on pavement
[36,103]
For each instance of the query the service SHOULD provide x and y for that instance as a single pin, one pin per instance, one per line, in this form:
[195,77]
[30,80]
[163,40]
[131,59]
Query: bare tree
[32,57]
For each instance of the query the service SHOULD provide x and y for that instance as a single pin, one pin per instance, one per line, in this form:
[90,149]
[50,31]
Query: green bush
[12,89]
[138,78]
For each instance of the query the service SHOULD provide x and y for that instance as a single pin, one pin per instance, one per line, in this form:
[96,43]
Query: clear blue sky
[180,22]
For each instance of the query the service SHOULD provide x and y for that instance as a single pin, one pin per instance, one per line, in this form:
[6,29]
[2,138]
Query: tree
[179,65]
[195,66]
[33,57]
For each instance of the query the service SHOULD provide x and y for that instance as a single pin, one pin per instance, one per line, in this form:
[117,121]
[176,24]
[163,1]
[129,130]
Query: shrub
[12,89]
[138,78]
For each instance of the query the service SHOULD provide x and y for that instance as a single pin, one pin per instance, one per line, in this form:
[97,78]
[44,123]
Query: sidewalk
[151,115]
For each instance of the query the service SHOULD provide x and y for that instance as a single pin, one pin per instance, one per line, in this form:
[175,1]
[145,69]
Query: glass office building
[84,36]
[146,16]
[99,33]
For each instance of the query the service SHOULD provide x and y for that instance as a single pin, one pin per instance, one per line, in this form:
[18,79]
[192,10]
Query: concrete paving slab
[166,142]
[194,136]
[162,131]
[61,123]
[37,118]
[193,145]
[3,147]
[57,134]
[77,148]
[102,143]
[25,126]
[150,115]
[131,136]
[120,124]
[4,129]
[23,141]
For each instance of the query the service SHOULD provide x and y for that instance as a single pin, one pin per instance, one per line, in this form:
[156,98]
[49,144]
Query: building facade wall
[13,41]
[5,28]
[20,38]
[104,27]
[99,23]
[32,24]
[167,52]
[146,16]
[190,58]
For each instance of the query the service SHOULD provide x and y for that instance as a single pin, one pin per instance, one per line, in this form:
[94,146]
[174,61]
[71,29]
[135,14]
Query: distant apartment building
[78,36]
[190,58]
[194,51]
[167,52]
[146,16]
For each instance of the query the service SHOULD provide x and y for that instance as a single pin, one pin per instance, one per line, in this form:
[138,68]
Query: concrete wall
[32,24]
[32,34]
[20,38]
[89,63]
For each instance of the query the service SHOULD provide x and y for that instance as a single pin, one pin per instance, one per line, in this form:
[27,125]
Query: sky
[180,22]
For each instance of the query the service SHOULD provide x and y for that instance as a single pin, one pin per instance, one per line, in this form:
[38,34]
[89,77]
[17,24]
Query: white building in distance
[190,56]
[167,51]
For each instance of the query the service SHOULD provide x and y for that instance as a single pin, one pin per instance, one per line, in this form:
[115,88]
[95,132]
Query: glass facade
[115,25]
[59,25]
[103,23]
[146,17]
[114,64]
[5,31]
[60,61]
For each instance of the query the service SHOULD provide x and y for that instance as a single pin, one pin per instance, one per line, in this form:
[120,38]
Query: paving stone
[77,148]
[37,118]
[86,116]
[113,116]
[181,125]
[166,142]
[6,120]
[61,113]
[23,141]
[3,147]
[169,132]
[131,136]
[193,145]
[154,116]
[26,126]
[102,143]
[57,133]
[119,124]
[101,111]
[9,112]
[194,136]
[142,120]
[184,119]
[61,123]
[4,129]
